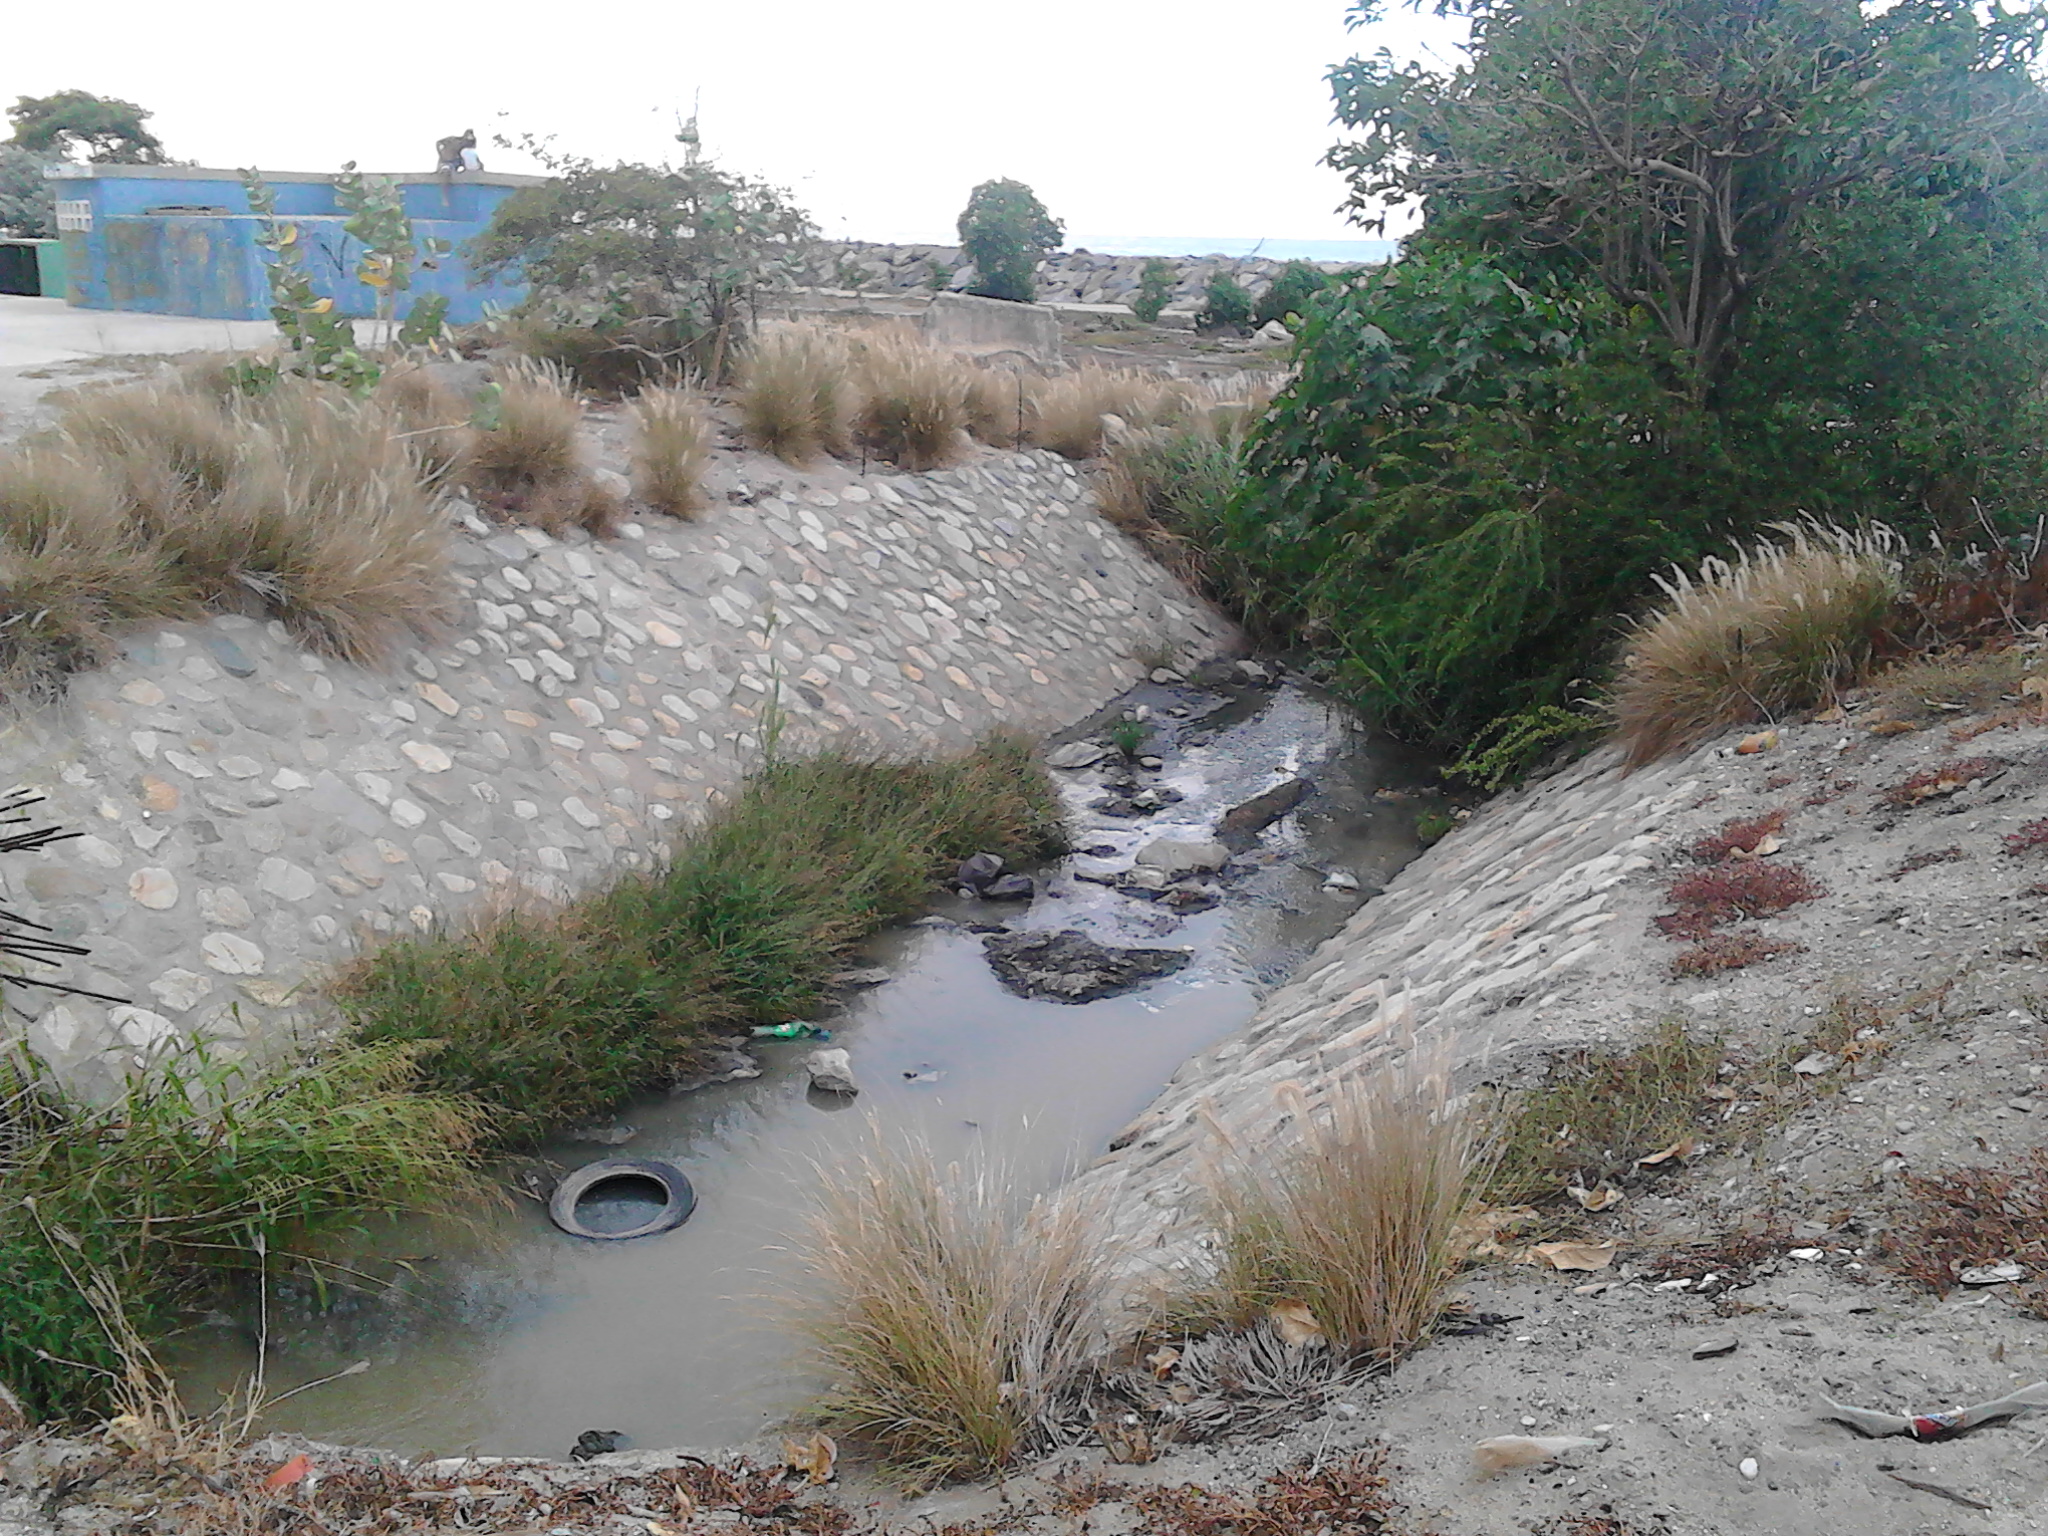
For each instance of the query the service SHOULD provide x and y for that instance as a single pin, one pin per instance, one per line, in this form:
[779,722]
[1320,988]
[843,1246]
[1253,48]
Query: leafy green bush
[1290,292]
[1585,371]
[1458,488]
[1226,306]
[28,204]
[548,1018]
[666,259]
[1155,290]
[1005,231]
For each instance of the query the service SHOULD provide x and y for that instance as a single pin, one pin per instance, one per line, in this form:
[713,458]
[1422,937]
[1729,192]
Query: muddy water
[514,1338]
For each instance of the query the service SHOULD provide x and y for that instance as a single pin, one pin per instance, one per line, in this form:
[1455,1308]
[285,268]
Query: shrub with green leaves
[1289,294]
[1586,370]
[665,261]
[1005,231]
[1226,306]
[1155,290]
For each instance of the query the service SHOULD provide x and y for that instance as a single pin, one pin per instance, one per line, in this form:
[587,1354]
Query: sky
[1138,117]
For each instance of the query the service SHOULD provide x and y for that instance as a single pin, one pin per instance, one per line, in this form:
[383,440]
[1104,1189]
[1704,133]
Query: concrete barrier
[970,324]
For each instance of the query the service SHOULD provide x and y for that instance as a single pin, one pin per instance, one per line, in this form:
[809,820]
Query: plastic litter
[795,1029]
[1933,1426]
[1503,1453]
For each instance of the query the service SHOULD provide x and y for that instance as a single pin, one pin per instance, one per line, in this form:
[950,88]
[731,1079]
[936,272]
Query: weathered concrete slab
[970,324]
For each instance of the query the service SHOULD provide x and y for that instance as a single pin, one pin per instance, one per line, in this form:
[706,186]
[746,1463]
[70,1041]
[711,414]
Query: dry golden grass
[161,502]
[998,405]
[74,570]
[529,467]
[795,392]
[1783,627]
[169,448]
[912,400]
[1951,686]
[1352,1216]
[431,417]
[672,439]
[950,1311]
[1066,412]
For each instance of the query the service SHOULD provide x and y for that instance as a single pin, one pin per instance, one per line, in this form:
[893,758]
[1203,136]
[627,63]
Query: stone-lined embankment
[254,812]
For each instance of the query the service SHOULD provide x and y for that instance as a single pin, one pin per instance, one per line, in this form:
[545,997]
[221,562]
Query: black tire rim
[679,1199]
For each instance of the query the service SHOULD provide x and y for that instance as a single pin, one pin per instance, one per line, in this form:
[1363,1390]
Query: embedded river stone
[257,814]
[1070,967]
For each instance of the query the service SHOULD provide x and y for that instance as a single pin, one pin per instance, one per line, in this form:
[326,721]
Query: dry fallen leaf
[814,1457]
[1892,728]
[1504,1452]
[1762,741]
[1834,714]
[1296,1325]
[289,1473]
[1477,1234]
[1606,1197]
[1682,1148]
[1576,1255]
[1163,1360]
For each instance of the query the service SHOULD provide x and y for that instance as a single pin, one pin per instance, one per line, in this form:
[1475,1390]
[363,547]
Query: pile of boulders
[1066,277]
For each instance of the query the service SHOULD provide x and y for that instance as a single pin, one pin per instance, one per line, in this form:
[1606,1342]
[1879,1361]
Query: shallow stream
[514,1338]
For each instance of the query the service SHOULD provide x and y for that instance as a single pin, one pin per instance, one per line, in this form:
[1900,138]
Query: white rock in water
[1075,754]
[831,1071]
[1340,880]
[1183,856]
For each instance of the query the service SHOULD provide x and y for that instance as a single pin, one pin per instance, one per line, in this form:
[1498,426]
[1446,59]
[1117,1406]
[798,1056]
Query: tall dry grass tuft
[1783,626]
[912,400]
[431,417]
[74,570]
[998,405]
[672,439]
[1353,1216]
[169,447]
[328,522]
[1066,412]
[160,501]
[528,467]
[950,1311]
[795,394]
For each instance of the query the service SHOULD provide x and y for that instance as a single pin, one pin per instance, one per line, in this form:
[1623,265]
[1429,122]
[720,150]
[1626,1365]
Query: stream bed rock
[1070,967]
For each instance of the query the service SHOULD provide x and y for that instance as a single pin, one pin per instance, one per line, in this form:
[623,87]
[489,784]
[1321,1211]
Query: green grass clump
[1601,1110]
[116,1217]
[545,1018]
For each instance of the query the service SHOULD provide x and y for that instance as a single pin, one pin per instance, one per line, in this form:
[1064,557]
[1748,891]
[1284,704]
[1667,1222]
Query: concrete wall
[179,240]
[969,324]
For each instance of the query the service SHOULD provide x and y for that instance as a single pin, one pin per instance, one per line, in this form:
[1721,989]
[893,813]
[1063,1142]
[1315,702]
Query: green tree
[1685,269]
[28,208]
[1679,150]
[1155,288]
[660,257]
[1005,231]
[109,130]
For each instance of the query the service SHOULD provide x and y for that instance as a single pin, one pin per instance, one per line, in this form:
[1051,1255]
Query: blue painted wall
[156,244]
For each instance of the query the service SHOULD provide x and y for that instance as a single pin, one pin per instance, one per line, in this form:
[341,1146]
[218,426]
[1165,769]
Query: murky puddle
[515,1338]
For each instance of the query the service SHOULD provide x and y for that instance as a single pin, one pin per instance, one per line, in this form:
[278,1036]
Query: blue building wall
[175,240]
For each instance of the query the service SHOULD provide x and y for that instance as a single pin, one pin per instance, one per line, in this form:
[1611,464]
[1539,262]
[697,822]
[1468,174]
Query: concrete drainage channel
[1243,826]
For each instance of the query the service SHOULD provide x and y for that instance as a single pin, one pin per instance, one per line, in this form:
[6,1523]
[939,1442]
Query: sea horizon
[1277,249]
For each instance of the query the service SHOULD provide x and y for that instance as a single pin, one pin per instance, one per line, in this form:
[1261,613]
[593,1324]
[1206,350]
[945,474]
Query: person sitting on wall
[457,153]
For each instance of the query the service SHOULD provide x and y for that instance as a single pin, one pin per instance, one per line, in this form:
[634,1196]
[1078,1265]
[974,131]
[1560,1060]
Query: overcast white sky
[1126,116]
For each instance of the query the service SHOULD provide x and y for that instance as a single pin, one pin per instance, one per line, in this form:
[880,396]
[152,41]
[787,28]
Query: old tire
[673,1187]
